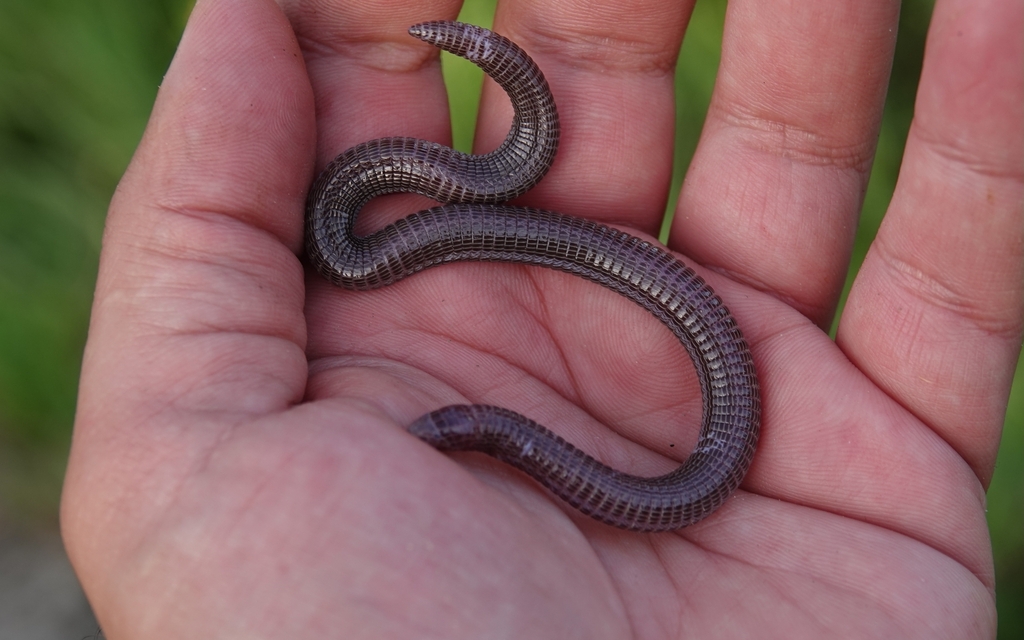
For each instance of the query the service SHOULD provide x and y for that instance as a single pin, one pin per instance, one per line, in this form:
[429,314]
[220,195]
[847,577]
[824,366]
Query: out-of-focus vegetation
[77,81]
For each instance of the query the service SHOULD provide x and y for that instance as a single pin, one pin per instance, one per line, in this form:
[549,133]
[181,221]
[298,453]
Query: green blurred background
[77,81]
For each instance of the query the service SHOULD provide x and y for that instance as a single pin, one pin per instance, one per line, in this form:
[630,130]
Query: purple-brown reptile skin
[474,227]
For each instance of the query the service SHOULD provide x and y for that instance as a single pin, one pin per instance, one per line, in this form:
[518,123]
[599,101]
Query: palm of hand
[304,517]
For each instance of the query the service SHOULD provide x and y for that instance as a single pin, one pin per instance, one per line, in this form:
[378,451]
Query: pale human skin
[240,467]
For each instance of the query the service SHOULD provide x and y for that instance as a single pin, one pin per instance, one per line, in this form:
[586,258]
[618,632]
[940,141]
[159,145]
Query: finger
[197,317]
[370,77]
[934,317]
[203,230]
[775,187]
[611,68]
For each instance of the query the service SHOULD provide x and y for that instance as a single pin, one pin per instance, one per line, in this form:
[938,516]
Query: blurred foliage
[77,81]
[1005,519]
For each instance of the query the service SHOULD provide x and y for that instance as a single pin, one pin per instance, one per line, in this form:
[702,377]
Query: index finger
[370,77]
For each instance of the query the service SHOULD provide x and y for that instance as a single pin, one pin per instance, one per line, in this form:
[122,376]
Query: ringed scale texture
[473,225]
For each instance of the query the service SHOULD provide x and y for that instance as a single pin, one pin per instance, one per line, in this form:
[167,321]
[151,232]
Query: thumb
[198,310]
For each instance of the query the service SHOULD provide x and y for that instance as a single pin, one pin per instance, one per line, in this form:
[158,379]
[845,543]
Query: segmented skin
[474,227]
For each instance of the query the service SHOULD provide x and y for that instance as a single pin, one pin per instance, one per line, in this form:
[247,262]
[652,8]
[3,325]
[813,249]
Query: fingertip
[233,128]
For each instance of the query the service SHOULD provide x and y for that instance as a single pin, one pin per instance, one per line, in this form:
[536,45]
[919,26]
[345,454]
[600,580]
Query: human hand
[240,465]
